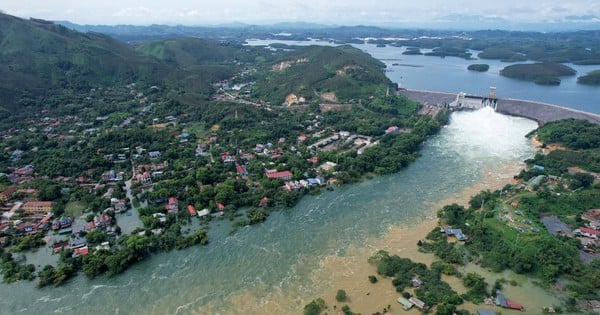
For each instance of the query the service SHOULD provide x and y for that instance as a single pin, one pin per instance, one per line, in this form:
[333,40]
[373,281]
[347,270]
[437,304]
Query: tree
[340,295]
[454,214]
[477,286]
[314,307]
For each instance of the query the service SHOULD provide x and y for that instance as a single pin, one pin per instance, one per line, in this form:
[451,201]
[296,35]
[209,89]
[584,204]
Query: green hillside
[39,58]
[310,71]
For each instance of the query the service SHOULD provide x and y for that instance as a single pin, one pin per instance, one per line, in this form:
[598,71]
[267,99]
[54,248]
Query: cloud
[133,12]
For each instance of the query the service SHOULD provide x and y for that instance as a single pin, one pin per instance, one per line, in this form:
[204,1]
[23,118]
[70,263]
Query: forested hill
[45,65]
[37,57]
[340,73]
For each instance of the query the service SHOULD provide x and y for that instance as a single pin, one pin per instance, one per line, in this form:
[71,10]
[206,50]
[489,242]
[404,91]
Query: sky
[418,13]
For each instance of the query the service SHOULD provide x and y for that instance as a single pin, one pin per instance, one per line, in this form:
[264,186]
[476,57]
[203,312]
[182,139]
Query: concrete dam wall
[540,112]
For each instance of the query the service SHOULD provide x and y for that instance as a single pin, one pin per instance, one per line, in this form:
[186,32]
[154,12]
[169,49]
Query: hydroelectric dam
[540,112]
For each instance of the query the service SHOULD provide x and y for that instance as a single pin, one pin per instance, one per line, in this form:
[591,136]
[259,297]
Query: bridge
[538,111]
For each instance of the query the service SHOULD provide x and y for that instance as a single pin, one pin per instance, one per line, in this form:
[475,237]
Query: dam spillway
[540,112]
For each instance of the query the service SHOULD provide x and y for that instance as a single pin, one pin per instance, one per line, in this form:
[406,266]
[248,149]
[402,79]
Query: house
[58,246]
[392,129]
[264,202]
[538,167]
[535,181]
[220,206]
[119,205]
[274,174]
[406,304]
[203,213]
[485,312]
[7,194]
[103,246]
[226,157]
[418,303]
[416,282]
[502,301]
[154,154]
[82,251]
[241,170]
[327,166]
[37,207]
[160,216]
[43,224]
[90,226]
[192,210]
[594,305]
[172,205]
[312,182]
[102,222]
[587,232]
[145,179]
[593,216]
[455,232]
[109,176]
[77,242]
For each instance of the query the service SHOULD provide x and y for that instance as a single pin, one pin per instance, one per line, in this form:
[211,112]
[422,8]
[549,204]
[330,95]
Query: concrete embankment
[540,112]
[429,97]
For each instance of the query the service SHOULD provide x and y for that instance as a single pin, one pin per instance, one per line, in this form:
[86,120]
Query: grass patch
[74,208]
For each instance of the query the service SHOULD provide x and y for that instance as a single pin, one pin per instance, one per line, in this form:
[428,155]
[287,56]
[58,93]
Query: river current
[293,257]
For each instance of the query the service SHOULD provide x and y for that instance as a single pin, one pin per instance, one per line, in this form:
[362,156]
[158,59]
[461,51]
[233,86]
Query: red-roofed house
[392,129]
[313,160]
[241,170]
[172,205]
[589,232]
[7,194]
[515,306]
[220,206]
[37,207]
[90,226]
[145,178]
[264,201]
[284,175]
[192,210]
[82,251]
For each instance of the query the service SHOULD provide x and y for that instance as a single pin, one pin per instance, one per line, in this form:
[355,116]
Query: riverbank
[367,298]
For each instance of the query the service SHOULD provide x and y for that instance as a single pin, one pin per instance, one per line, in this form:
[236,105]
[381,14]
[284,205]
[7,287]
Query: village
[114,189]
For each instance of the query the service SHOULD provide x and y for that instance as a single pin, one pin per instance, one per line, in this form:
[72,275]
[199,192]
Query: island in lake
[540,73]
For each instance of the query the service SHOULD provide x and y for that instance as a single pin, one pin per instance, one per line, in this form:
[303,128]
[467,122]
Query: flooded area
[312,250]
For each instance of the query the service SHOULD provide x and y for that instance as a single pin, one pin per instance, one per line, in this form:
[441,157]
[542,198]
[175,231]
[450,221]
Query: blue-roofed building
[313,182]
[485,312]
[501,300]
[455,232]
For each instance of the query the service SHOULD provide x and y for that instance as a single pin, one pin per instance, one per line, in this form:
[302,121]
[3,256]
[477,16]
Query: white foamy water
[267,268]
[484,133]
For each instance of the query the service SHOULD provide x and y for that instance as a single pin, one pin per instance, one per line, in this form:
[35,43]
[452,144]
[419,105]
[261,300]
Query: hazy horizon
[436,14]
